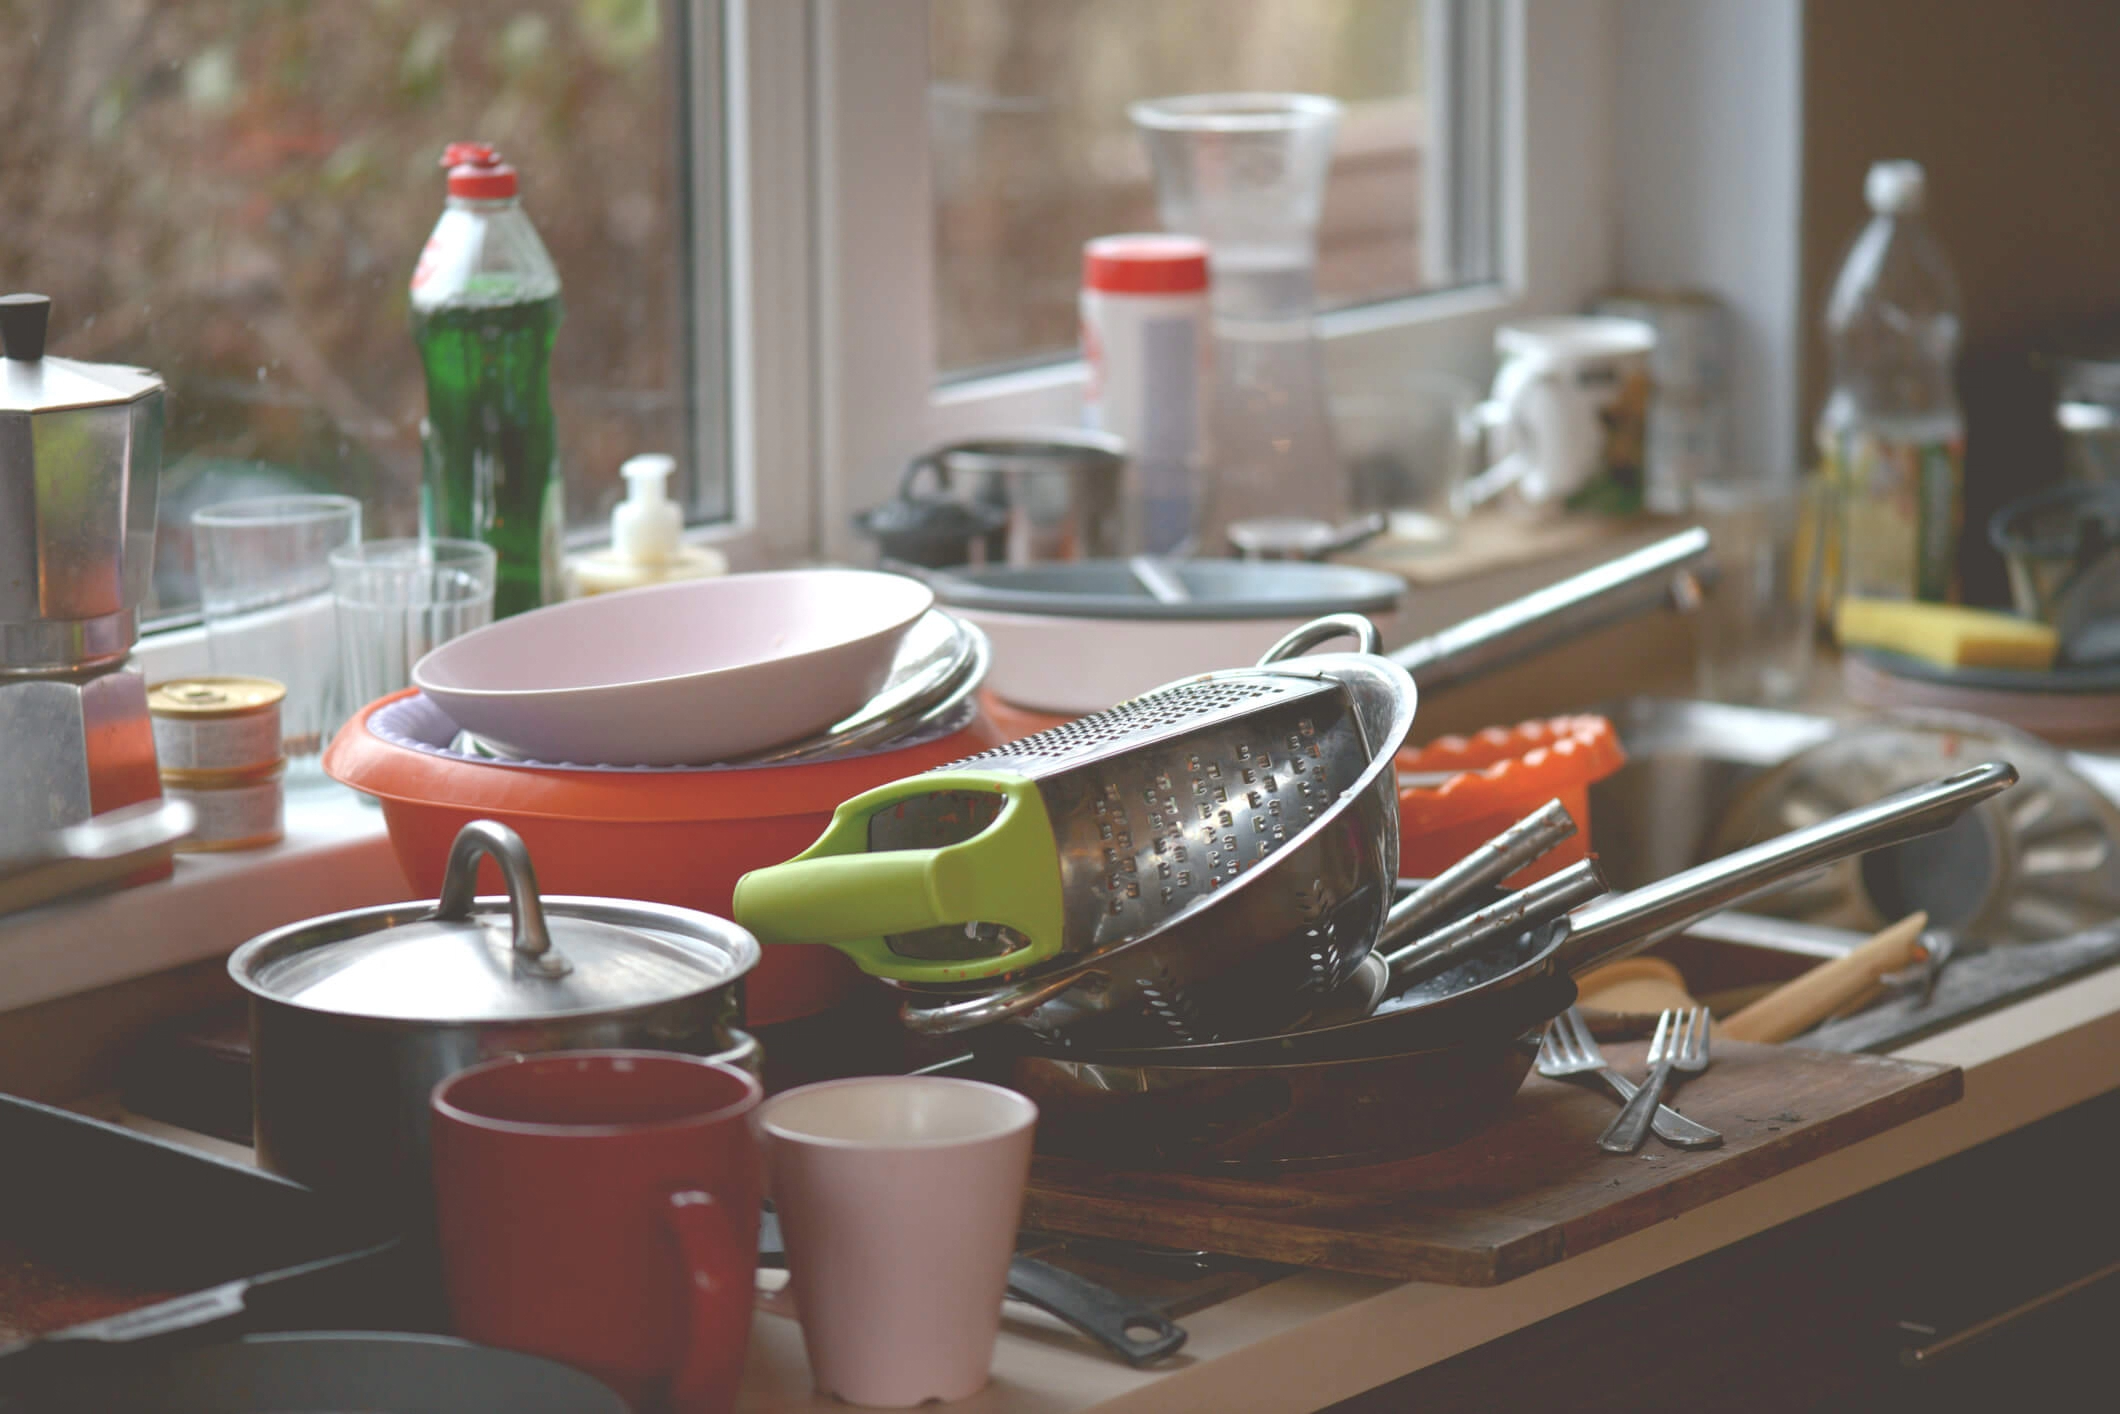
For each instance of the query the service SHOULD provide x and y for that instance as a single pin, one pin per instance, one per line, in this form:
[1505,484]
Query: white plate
[678,674]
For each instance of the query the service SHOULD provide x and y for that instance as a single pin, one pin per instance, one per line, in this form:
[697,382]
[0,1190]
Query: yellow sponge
[1947,634]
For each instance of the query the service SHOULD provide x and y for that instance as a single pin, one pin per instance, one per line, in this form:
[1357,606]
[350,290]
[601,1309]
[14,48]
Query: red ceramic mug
[600,1208]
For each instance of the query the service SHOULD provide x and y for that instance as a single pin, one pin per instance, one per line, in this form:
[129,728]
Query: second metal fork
[1681,1043]
[1568,1049]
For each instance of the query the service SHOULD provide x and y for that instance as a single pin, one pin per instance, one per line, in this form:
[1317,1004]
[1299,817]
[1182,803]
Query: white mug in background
[1568,410]
[898,1198]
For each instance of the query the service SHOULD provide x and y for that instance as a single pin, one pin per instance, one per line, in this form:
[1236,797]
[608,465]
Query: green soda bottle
[485,309]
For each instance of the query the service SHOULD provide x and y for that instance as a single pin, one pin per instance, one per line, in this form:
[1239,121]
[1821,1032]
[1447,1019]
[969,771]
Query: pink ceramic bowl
[678,674]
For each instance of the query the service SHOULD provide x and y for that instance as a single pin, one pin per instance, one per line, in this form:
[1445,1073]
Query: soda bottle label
[1900,511]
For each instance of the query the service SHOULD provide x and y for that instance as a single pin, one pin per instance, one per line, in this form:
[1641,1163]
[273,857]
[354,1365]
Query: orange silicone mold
[1497,776]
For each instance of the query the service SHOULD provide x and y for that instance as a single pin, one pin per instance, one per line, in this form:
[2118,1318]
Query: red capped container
[1146,332]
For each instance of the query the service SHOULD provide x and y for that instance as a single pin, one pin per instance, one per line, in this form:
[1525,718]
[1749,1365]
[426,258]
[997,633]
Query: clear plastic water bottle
[1892,436]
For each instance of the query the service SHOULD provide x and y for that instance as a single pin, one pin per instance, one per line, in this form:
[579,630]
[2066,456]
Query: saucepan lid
[513,957]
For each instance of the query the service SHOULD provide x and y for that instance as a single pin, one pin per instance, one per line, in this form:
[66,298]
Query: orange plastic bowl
[676,837]
[1499,776]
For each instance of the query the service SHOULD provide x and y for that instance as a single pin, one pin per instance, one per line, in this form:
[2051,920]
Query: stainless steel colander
[1265,791]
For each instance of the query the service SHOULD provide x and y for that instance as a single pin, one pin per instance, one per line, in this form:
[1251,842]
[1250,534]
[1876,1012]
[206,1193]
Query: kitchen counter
[1311,1339]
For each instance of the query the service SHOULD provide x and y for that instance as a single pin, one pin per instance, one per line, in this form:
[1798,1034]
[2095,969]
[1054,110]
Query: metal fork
[1568,1050]
[1681,1043]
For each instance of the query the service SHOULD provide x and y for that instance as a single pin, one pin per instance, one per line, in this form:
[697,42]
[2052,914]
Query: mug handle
[1502,415]
[708,1245]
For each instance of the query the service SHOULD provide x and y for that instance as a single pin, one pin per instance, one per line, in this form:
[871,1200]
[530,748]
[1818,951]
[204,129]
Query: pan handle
[1620,924]
[1650,578]
[1301,640]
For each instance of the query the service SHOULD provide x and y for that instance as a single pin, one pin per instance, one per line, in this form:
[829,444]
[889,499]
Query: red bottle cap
[1145,265]
[477,172]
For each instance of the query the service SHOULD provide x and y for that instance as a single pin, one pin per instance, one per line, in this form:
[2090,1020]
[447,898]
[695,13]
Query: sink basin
[1686,762]
[1689,763]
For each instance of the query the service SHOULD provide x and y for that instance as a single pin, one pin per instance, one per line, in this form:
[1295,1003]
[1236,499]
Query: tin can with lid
[236,810]
[216,725]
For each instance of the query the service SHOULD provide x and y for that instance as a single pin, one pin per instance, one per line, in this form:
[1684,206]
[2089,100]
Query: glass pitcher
[1246,173]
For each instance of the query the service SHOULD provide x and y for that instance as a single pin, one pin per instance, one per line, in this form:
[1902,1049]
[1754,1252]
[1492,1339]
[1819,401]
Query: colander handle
[1301,640]
[842,893]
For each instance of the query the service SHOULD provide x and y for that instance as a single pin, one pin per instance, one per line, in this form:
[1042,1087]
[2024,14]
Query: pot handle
[1301,640]
[710,1251]
[534,952]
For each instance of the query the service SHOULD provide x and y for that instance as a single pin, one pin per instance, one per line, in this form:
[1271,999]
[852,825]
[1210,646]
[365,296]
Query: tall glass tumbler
[399,599]
[265,590]
[1246,173]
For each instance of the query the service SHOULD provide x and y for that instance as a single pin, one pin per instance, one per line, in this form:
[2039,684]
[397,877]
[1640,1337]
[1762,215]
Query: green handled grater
[1072,841]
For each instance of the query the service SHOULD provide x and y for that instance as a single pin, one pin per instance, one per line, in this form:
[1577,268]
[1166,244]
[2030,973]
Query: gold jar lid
[202,698]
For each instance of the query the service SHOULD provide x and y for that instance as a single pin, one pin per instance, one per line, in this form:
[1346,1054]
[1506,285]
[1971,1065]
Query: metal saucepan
[1084,995]
[356,1017]
[1601,931]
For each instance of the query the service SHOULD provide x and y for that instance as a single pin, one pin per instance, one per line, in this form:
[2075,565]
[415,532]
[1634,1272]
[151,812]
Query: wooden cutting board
[1528,1191]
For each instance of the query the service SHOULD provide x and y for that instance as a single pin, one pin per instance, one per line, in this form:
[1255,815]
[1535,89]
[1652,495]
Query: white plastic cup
[898,1198]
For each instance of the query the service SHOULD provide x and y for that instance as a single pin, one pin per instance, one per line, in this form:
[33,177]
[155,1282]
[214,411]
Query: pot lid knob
[534,952]
[23,321]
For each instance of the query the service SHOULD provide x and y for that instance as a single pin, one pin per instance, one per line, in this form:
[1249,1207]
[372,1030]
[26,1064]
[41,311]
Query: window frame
[878,399]
[819,274]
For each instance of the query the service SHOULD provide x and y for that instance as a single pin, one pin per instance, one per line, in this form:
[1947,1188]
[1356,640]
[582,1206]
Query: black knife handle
[1098,1312]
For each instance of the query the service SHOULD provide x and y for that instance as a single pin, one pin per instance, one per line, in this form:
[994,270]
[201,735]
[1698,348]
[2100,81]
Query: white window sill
[335,856]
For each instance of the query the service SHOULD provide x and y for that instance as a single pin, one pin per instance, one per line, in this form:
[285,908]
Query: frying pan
[386,1374]
[1610,927]
[1430,1065]
[1299,1114]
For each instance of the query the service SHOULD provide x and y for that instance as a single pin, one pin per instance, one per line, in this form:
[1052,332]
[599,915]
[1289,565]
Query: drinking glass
[1757,626]
[398,599]
[265,591]
[1409,442]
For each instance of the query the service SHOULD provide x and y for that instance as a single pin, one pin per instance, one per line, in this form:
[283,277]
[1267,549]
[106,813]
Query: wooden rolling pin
[1797,1006]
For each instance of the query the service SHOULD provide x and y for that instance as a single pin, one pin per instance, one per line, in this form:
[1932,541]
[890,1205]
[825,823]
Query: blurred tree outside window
[234,192]
[1034,154]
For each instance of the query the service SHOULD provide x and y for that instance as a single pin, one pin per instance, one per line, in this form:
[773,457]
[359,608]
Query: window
[797,237]
[964,148]
[1033,152]
[233,193]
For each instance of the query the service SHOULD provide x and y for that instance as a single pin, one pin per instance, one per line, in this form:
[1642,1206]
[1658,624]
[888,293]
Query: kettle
[80,463]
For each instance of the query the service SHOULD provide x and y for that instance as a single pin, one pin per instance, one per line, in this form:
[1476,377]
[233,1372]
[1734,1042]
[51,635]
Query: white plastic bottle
[647,537]
[1891,435]
[1146,333]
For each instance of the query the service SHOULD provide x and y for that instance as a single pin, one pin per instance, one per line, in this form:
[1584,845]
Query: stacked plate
[940,664]
[747,670]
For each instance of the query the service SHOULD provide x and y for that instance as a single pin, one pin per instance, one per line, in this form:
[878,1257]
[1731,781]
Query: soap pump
[647,536]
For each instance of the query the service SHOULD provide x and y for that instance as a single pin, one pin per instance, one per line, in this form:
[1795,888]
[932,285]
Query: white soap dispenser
[647,536]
